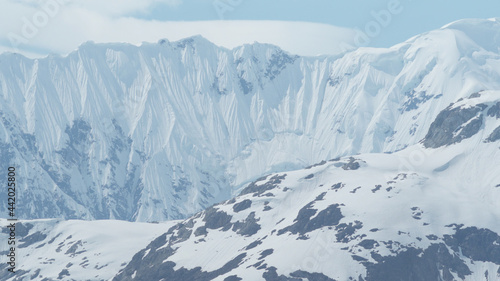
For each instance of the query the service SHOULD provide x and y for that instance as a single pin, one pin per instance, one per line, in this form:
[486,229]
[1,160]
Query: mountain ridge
[164,130]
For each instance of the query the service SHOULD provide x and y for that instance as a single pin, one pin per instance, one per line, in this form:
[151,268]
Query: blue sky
[34,28]
[418,16]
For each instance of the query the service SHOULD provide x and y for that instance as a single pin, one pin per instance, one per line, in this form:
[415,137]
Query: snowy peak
[371,217]
[162,131]
[484,32]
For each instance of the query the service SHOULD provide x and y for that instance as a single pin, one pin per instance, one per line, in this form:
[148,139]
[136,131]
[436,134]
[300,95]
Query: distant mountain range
[376,165]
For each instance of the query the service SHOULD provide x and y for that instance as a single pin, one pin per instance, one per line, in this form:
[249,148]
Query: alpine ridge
[162,131]
[376,165]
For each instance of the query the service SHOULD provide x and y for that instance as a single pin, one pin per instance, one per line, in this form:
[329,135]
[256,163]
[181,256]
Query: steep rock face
[463,120]
[454,125]
[164,130]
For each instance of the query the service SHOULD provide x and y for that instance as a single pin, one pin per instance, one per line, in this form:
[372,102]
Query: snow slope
[161,131]
[75,250]
[421,214]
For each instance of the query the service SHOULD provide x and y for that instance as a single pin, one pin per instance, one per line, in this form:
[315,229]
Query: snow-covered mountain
[426,213]
[429,212]
[164,130]
[402,143]
[75,250]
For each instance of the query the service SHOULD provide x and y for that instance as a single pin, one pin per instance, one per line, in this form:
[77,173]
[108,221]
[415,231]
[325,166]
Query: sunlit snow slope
[164,130]
[75,249]
[429,212]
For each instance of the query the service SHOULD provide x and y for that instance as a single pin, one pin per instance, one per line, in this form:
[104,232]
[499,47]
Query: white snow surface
[87,250]
[161,131]
[422,194]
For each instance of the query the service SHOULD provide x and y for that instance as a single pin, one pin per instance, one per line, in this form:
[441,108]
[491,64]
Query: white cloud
[120,7]
[60,26]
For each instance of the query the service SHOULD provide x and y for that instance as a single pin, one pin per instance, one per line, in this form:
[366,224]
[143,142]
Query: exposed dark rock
[455,226]
[495,135]
[232,278]
[165,271]
[354,190]
[435,263]
[54,238]
[73,249]
[243,205]
[320,197]
[304,224]
[299,275]
[309,176]
[452,125]
[494,111]
[266,253]
[345,232]
[417,215]
[245,86]
[277,63]
[152,267]
[337,186]
[414,99]
[432,237]
[258,264]
[182,232]
[247,228]
[475,95]
[358,258]
[253,245]
[311,276]
[368,244]
[260,189]
[189,223]
[477,244]
[35,274]
[377,188]
[216,219]
[202,230]
[264,266]
[316,165]
[63,274]
[351,165]
[271,274]
[32,239]
[22,229]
